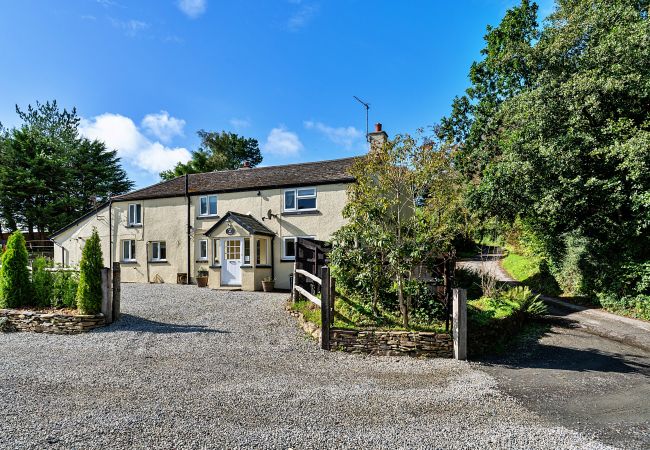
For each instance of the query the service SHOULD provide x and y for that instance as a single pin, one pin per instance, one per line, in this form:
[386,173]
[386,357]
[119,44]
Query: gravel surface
[194,368]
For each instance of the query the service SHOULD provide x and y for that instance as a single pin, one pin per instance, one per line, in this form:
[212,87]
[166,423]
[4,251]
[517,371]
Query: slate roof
[303,174]
[248,223]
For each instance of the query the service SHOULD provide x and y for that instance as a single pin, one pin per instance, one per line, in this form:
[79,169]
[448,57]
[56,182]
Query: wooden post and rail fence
[319,287]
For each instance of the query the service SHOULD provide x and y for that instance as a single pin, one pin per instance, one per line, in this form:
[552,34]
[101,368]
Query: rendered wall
[165,220]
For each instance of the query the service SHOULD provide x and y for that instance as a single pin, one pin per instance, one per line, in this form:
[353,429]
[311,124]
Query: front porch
[242,253]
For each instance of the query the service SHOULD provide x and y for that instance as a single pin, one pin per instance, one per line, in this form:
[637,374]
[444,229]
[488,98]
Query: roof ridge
[278,165]
[148,187]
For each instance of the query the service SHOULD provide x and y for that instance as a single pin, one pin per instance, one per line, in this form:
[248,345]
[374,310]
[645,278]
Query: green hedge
[15,285]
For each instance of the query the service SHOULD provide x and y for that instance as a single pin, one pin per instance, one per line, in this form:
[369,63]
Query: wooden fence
[311,260]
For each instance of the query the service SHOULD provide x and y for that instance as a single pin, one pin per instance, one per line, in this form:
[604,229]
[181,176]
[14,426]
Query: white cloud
[345,136]
[192,8]
[122,134]
[282,143]
[302,16]
[163,126]
[130,27]
[240,123]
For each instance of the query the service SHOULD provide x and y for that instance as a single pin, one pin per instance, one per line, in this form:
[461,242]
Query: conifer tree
[15,286]
[89,292]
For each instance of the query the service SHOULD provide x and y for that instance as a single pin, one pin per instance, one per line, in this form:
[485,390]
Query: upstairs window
[135,214]
[158,251]
[301,199]
[208,205]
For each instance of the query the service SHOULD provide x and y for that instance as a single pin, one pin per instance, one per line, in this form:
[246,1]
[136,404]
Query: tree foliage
[50,174]
[403,213]
[89,292]
[218,151]
[555,131]
[15,285]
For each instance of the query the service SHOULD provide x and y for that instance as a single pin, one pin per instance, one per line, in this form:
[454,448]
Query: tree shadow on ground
[529,353]
[128,322]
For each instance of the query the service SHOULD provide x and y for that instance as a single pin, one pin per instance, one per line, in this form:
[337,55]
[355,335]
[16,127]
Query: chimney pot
[246,165]
[377,127]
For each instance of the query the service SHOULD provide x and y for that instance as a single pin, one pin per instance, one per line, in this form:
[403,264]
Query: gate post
[107,295]
[325,308]
[460,324]
[116,290]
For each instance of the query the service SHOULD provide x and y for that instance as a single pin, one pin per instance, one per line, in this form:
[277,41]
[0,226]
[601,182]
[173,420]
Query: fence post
[332,300]
[460,324]
[325,308]
[107,295]
[294,294]
[117,289]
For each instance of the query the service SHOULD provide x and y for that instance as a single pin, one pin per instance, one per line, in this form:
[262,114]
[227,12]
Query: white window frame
[296,197]
[294,239]
[131,247]
[207,212]
[132,217]
[201,243]
[156,244]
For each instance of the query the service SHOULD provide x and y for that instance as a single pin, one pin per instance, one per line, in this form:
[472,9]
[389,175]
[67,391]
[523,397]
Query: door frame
[224,261]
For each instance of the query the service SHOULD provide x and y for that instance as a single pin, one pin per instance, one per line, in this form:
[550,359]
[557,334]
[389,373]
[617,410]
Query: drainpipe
[187,195]
[147,259]
[110,232]
[272,259]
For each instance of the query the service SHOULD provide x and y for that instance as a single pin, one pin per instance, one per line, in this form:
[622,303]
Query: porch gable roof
[247,222]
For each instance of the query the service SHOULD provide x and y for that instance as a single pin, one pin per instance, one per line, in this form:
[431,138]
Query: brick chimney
[377,138]
[245,165]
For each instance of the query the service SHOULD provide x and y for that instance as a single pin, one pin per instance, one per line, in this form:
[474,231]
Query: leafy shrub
[636,306]
[42,282]
[15,286]
[522,301]
[89,292]
[65,287]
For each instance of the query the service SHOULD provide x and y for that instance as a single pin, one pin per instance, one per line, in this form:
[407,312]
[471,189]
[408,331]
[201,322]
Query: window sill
[263,266]
[218,266]
[129,261]
[309,212]
[288,260]
[158,261]
[210,216]
[246,266]
[134,225]
[201,261]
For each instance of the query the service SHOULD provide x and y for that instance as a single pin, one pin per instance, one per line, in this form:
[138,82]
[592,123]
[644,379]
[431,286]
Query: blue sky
[146,75]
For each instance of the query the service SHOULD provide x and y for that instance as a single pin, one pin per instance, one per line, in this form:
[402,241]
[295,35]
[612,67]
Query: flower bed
[48,322]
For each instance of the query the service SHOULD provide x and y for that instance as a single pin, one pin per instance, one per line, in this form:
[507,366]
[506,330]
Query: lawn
[351,313]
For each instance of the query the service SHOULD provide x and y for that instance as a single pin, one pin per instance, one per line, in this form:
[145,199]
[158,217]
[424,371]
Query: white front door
[232,260]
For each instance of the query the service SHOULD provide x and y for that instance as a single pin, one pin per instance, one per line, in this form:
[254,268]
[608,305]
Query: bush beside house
[15,286]
[89,292]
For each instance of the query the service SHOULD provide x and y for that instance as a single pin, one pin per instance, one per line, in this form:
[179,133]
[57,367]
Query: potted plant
[268,284]
[202,278]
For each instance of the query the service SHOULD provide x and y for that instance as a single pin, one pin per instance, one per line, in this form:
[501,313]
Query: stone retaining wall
[393,343]
[56,323]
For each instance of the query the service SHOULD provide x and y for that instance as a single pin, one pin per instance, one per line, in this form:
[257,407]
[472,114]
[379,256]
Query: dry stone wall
[55,323]
[393,343]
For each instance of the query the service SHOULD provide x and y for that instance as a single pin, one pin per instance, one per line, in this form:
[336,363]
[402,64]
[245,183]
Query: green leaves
[555,131]
[15,285]
[218,151]
[403,212]
[50,175]
[89,292]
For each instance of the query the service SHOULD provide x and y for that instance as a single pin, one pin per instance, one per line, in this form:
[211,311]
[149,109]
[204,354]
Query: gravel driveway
[195,368]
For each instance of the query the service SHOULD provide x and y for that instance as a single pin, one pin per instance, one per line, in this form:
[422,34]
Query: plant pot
[268,286]
[201,281]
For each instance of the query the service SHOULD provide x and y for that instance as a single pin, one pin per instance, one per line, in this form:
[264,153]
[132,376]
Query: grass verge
[351,313]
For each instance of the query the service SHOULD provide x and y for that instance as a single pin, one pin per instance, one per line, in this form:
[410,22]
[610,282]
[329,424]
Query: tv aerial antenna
[367,106]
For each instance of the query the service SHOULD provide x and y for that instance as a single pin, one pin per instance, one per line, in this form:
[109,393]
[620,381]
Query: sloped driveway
[585,369]
[195,368]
